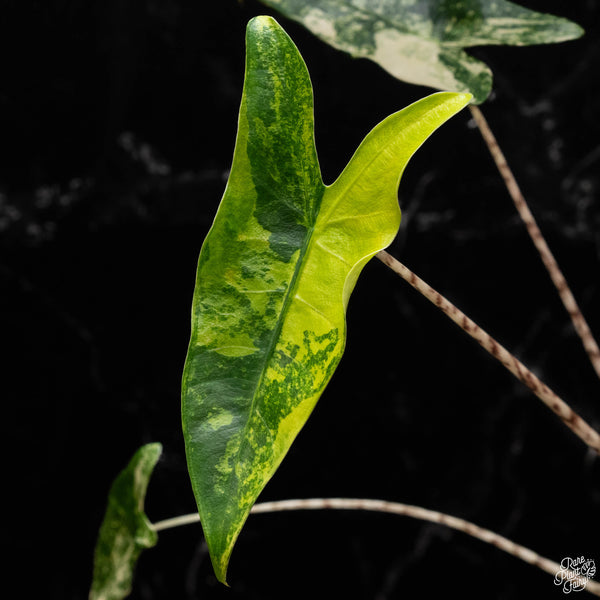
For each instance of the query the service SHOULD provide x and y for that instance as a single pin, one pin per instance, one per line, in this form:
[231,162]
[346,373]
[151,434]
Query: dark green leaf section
[125,531]
[423,41]
[274,277]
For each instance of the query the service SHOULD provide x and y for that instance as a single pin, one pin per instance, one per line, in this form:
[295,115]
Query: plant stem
[579,322]
[516,367]
[416,512]
[176,521]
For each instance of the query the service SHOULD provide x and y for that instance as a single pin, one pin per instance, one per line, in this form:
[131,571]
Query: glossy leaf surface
[274,277]
[125,530]
[422,41]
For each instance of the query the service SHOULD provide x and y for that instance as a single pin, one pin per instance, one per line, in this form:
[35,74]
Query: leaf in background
[422,41]
[274,277]
[125,531]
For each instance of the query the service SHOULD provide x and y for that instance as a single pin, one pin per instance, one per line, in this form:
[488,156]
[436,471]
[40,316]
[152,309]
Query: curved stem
[176,521]
[570,304]
[408,510]
[569,417]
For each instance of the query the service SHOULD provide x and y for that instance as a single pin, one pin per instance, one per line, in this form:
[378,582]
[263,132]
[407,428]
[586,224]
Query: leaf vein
[315,309]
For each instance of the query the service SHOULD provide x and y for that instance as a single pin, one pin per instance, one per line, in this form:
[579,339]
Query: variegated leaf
[125,530]
[422,41]
[274,277]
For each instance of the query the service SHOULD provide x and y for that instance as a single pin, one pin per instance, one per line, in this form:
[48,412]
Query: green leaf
[126,530]
[422,41]
[274,277]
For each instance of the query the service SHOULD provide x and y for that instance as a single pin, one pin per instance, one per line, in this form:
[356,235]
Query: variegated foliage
[274,277]
[125,530]
[423,41]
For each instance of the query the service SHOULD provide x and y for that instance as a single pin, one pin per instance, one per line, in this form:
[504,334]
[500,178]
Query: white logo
[574,573]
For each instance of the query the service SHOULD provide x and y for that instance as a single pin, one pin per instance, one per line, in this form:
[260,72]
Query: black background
[117,126]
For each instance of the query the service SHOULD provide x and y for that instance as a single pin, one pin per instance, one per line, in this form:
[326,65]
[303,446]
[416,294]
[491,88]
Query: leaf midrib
[287,301]
[296,278]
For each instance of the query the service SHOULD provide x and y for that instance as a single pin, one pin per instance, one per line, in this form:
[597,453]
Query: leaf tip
[153,450]
[576,31]
[464,98]
[220,568]
[564,30]
[455,100]
[262,22]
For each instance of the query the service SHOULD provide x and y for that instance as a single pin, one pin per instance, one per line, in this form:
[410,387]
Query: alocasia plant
[275,275]
[279,264]
[423,41]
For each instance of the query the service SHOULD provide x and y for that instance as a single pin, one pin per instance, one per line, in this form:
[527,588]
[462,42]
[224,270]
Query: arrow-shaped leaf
[422,41]
[274,277]
[125,530]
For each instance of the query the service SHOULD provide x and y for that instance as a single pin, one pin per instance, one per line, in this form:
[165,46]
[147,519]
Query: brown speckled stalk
[579,322]
[516,367]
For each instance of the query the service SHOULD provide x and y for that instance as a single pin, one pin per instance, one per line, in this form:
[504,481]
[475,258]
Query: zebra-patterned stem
[499,352]
[570,304]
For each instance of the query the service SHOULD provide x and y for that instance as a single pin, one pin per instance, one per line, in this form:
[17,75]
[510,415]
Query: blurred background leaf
[422,41]
[125,531]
